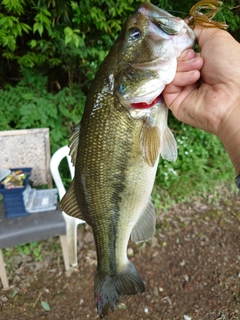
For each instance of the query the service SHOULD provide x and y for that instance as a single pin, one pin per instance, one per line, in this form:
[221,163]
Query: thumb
[204,35]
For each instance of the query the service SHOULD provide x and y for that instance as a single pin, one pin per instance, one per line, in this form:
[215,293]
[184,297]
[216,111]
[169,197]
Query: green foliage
[33,248]
[181,9]
[14,6]
[202,164]
[71,37]
[29,105]
[61,36]
[227,14]
[50,51]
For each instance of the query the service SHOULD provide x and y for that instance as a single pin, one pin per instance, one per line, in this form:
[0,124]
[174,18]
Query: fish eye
[134,33]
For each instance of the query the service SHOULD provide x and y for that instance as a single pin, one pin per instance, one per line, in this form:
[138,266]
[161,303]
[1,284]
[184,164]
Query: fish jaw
[163,19]
[184,40]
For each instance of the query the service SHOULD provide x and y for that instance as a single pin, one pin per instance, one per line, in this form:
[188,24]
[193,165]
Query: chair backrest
[27,148]
[54,168]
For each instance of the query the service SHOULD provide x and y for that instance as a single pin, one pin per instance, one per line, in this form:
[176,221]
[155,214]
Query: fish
[117,144]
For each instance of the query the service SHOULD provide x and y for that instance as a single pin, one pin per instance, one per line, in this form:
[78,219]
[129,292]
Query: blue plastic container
[13,199]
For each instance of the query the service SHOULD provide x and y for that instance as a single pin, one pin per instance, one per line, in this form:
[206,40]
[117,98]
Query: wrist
[230,137]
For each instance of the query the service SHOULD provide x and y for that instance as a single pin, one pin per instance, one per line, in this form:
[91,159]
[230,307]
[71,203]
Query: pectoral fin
[168,146]
[150,143]
[145,227]
[69,203]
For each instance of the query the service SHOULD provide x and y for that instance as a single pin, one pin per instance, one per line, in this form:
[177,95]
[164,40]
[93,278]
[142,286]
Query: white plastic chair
[71,222]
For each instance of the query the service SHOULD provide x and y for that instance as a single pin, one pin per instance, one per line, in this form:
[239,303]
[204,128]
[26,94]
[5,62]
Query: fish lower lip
[144,105]
[152,65]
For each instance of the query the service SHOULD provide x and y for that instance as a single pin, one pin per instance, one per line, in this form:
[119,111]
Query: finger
[187,55]
[183,79]
[195,63]
[180,88]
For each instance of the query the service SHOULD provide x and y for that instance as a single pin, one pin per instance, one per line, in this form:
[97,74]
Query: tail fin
[109,288]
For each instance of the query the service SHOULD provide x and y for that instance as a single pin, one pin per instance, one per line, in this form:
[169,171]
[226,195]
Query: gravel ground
[191,269]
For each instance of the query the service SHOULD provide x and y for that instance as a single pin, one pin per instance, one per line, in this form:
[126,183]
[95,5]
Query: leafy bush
[202,165]
[69,39]
[66,39]
[50,51]
[29,105]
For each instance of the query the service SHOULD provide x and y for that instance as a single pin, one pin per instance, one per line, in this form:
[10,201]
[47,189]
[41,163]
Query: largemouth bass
[116,146]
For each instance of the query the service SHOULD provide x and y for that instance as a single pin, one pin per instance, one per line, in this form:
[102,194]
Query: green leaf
[28,60]
[33,43]
[25,27]
[9,41]
[42,17]
[45,306]
[8,21]
[14,6]
[76,40]
[46,12]
[74,5]
[38,26]
[67,39]
[8,55]
[68,31]
[54,61]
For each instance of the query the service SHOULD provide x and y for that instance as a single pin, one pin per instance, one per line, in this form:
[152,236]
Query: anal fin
[145,226]
[69,203]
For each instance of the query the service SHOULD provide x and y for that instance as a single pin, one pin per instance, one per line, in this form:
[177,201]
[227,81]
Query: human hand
[212,103]
[207,104]
[188,73]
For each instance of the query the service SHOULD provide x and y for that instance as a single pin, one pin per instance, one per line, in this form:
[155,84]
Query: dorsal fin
[150,143]
[73,144]
[144,229]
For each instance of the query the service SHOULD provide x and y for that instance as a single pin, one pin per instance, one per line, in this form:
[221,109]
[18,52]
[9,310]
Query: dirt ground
[191,269]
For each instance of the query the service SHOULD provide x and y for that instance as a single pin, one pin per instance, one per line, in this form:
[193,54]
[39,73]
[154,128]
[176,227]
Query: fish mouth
[145,105]
[154,65]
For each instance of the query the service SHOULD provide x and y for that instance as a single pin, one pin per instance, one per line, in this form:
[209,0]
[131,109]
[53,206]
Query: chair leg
[3,273]
[72,239]
[64,245]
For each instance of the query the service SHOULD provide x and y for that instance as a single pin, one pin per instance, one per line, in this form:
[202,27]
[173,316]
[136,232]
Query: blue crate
[13,199]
